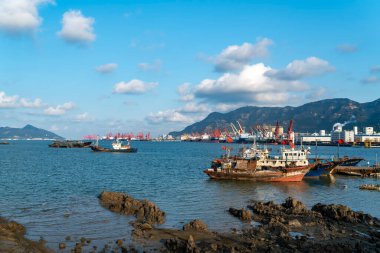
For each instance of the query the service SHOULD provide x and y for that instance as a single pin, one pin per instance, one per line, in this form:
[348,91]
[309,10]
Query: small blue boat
[321,168]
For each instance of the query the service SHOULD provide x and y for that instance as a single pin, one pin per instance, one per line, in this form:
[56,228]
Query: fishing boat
[347,161]
[321,167]
[291,166]
[117,146]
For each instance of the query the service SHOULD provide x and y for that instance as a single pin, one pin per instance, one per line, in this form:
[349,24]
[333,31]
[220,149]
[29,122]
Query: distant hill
[310,117]
[27,132]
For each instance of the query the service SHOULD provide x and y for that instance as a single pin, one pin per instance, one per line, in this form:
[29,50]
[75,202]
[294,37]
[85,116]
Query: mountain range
[27,132]
[310,117]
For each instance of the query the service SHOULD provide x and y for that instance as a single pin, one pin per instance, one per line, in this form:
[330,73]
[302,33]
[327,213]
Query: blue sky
[89,67]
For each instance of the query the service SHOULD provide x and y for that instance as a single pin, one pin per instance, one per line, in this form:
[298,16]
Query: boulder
[344,213]
[242,214]
[145,211]
[196,225]
[294,205]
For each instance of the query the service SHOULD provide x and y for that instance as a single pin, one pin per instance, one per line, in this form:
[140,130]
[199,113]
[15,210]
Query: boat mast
[338,143]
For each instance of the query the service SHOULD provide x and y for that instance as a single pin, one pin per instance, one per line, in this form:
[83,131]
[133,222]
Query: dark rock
[68,238]
[62,245]
[294,204]
[196,225]
[190,245]
[344,213]
[294,223]
[145,211]
[175,245]
[12,239]
[78,248]
[242,214]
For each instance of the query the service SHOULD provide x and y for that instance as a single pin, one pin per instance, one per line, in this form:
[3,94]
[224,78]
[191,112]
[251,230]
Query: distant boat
[4,143]
[70,144]
[117,147]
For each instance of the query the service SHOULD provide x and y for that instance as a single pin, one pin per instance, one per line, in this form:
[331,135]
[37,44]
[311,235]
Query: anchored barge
[70,144]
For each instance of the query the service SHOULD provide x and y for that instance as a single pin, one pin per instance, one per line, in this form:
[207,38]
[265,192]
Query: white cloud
[183,89]
[154,66]
[235,57]
[36,103]
[370,79]
[347,48]
[187,98]
[134,86]
[59,109]
[194,108]
[298,69]
[83,117]
[8,101]
[20,16]
[77,28]
[17,102]
[167,116]
[251,86]
[106,68]
[185,92]
[222,107]
[317,94]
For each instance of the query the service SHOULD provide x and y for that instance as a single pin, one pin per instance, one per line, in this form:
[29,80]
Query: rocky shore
[269,227]
[286,227]
[12,239]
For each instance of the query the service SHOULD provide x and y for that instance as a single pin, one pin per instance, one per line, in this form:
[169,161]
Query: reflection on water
[54,191]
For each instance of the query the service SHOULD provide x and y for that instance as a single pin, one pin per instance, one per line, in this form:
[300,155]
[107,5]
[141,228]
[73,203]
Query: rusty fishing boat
[258,165]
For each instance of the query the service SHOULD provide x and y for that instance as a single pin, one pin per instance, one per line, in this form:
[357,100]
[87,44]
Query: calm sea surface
[53,192]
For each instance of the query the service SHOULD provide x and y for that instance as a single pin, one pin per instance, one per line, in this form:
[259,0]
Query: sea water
[54,192]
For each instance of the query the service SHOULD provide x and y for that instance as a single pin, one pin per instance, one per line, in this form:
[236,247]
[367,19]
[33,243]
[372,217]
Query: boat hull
[101,149]
[321,169]
[350,161]
[284,175]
